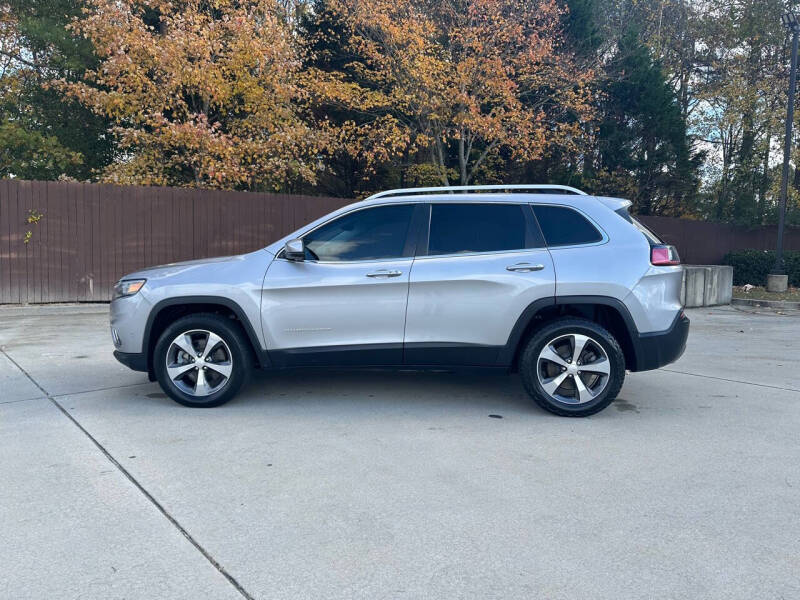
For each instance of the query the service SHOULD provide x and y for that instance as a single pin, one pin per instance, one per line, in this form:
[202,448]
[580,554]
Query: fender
[508,352]
[618,305]
[263,355]
[506,355]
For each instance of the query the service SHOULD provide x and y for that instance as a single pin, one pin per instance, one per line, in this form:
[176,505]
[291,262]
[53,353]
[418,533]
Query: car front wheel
[573,367]
[202,360]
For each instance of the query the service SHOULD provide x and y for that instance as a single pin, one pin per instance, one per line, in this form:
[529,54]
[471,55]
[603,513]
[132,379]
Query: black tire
[529,363]
[240,357]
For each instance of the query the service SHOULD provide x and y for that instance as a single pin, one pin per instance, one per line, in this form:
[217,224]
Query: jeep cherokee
[566,288]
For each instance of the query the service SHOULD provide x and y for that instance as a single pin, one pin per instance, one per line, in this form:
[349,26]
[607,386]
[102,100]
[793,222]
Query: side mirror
[294,250]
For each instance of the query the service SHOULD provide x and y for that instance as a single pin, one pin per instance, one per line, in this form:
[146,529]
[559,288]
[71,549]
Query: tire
[224,371]
[549,368]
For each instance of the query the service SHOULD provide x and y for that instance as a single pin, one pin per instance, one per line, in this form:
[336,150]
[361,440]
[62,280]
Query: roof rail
[542,188]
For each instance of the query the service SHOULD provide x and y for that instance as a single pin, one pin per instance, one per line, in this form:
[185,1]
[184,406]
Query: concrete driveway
[398,485]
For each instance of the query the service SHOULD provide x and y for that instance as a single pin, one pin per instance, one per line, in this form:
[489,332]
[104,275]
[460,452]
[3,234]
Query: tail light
[662,255]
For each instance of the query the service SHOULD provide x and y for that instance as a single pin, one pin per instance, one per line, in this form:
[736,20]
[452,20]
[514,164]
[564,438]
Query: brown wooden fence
[90,234]
[704,243]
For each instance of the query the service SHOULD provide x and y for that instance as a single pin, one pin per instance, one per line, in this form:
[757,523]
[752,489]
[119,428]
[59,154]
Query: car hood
[172,269]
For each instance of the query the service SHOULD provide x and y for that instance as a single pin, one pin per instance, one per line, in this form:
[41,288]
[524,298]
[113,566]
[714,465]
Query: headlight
[128,287]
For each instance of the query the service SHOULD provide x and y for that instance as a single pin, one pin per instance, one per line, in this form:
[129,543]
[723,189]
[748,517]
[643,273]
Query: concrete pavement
[399,485]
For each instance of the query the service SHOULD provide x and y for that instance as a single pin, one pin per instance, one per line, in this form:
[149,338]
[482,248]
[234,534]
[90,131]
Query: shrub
[753,266]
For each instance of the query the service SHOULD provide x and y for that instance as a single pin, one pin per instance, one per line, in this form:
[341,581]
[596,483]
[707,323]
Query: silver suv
[566,288]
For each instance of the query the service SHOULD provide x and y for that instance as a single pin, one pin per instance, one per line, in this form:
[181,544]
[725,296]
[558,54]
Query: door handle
[524,267]
[384,273]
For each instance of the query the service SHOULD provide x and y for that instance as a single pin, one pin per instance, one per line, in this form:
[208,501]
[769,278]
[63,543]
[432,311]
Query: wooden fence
[90,235]
[704,243]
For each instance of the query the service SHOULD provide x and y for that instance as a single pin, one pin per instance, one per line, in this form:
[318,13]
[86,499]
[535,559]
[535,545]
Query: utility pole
[777,280]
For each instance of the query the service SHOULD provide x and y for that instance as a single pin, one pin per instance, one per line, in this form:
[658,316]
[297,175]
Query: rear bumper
[133,360]
[654,350]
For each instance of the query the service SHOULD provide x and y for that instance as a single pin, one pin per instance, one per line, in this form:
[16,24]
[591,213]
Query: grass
[761,293]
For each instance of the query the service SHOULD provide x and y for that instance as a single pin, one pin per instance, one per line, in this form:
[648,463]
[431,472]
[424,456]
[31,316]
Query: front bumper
[128,317]
[654,350]
[133,360]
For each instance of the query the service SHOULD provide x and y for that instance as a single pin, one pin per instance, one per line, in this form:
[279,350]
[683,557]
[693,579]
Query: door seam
[405,315]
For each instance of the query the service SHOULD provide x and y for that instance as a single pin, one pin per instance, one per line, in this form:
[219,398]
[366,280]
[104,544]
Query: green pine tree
[42,134]
[643,148]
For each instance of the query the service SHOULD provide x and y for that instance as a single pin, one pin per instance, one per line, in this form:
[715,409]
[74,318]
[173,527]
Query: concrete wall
[706,285]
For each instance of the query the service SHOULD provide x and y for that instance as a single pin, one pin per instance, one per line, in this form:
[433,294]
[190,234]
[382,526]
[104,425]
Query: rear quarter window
[564,226]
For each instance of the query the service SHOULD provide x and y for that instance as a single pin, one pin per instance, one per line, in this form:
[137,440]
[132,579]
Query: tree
[459,81]
[643,146]
[366,145]
[743,98]
[44,135]
[205,94]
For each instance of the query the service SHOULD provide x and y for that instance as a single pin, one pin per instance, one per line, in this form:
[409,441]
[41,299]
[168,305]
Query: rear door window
[564,226]
[469,228]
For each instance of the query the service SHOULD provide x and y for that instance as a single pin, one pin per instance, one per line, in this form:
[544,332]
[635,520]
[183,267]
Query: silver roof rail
[477,188]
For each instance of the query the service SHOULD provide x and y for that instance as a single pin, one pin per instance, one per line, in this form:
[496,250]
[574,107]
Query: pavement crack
[21,400]
[764,385]
[206,554]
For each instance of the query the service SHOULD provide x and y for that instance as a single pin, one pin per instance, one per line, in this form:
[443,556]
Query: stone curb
[765,303]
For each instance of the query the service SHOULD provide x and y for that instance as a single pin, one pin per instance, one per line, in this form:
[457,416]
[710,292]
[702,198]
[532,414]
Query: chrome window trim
[488,253]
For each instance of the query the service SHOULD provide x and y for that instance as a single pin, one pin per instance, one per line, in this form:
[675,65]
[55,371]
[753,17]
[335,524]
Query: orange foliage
[460,80]
[202,93]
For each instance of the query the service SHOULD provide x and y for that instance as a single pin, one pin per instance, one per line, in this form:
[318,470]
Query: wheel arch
[608,312]
[168,310]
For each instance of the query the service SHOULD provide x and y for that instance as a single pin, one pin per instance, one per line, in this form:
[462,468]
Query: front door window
[371,234]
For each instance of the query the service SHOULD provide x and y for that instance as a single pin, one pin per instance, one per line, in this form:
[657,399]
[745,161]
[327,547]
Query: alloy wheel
[199,362]
[573,368]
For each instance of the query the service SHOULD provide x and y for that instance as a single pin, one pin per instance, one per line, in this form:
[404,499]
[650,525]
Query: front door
[484,265]
[346,302]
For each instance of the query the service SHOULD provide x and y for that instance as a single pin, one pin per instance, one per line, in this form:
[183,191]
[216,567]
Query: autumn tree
[460,82]
[200,93]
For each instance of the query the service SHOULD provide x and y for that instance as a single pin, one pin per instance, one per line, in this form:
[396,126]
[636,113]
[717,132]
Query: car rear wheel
[573,367]
[202,360]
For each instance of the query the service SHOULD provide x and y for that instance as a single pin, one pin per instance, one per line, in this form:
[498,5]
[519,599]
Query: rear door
[483,264]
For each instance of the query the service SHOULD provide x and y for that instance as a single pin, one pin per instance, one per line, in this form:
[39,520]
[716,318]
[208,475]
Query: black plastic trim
[652,349]
[534,238]
[417,237]
[263,355]
[424,356]
[136,361]
[424,230]
[356,355]
[506,354]
[662,348]
[442,354]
